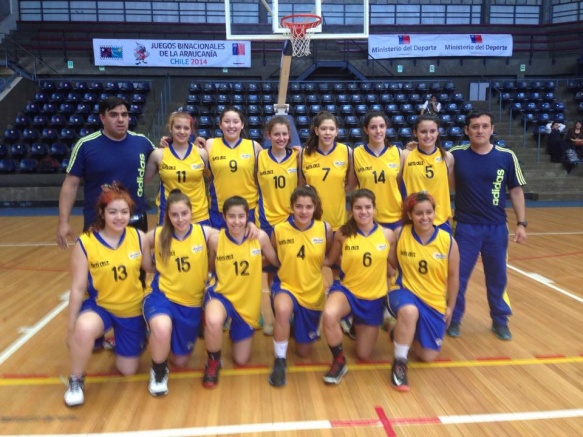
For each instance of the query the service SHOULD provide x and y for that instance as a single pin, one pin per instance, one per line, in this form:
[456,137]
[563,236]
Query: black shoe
[277,377]
[502,332]
[336,372]
[399,375]
[454,329]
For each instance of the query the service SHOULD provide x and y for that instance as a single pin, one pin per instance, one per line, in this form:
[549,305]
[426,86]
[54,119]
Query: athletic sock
[401,351]
[280,348]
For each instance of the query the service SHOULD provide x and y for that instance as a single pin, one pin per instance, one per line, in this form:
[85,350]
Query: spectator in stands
[429,167]
[112,154]
[431,106]
[181,166]
[482,175]
[106,291]
[575,139]
[555,141]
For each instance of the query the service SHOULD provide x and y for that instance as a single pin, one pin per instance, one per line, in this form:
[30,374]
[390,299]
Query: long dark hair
[369,116]
[277,119]
[109,193]
[312,142]
[165,238]
[350,228]
[308,191]
[412,200]
[434,119]
[239,113]
[235,201]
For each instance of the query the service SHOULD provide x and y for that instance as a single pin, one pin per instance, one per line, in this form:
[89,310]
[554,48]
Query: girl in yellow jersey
[426,288]
[378,166]
[277,177]
[181,166]
[106,291]
[364,247]
[232,162]
[173,309]
[327,166]
[428,167]
[298,288]
[235,290]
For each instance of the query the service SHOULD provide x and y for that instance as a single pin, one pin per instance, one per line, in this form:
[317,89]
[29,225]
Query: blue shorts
[363,311]
[130,332]
[240,329]
[446,226]
[185,321]
[392,226]
[306,322]
[218,220]
[430,328]
[206,222]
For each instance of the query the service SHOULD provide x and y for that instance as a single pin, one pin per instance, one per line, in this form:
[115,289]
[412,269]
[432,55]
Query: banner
[171,53]
[425,45]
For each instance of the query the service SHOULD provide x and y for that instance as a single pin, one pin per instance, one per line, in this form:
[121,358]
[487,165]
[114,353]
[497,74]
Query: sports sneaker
[348,327]
[75,395]
[277,377]
[399,375]
[454,329]
[109,343]
[336,372]
[211,373]
[502,332]
[158,386]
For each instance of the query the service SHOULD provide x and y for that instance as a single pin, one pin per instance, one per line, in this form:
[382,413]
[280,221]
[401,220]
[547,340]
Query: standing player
[482,174]
[298,289]
[106,291]
[378,165]
[173,309]
[423,297]
[181,166]
[362,289]
[232,162]
[235,289]
[112,154]
[428,167]
[277,177]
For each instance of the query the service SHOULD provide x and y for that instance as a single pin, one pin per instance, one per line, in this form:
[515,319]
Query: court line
[19,380]
[315,425]
[30,331]
[546,282]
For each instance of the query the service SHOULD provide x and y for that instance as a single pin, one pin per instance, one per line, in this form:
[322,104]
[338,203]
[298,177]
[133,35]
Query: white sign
[425,45]
[172,53]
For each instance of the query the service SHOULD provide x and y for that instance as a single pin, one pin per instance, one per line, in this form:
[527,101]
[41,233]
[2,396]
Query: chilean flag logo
[404,39]
[476,39]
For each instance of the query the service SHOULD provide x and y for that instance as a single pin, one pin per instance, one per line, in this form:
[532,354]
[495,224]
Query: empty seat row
[523,85]
[33,108]
[96,86]
[75,97]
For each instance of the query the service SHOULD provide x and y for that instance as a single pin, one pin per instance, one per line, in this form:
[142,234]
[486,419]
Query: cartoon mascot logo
[140,53]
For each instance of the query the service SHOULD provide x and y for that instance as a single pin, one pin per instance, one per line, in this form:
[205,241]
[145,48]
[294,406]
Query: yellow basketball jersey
[277,181]
[379,175]
[183,276]
[327,173]
[232,173]
[238,275]
[187,176]
[114,274]
[301,254]
[423,268]
[424,172]
[364,264]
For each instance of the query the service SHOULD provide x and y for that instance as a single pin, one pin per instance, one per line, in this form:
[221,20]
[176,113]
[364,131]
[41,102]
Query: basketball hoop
[298,31]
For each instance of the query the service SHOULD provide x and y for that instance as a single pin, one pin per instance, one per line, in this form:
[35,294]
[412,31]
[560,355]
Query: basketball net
[298,31]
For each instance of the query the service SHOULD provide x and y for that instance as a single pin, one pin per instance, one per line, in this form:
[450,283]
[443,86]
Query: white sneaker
[158,388]
[74,395]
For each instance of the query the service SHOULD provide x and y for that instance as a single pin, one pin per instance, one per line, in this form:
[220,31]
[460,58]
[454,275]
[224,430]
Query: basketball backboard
[261,19]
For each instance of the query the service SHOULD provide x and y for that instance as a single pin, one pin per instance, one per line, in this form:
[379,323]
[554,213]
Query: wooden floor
[532,385]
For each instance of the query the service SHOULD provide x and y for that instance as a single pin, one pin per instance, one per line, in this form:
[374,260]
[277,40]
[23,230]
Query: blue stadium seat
[560,117]
[84,131]
[38,150]
[135,109]
[387,98]
[331,108]
[95,86]
[391,133]
[67,134]
[32,108]
[537,86]
[111,86]
[544,107]
[535,97]
[408,88]
[27,165]
[360,109]
[192,99]
[339,88]
[191,109]
[411,119]
[75,121]
[18,150]
[395,87]
[398,120]
[445,120]
[443,98]
[304,134]
[447,144]
[549,97]
[268,110]
[398,144]
[138,99]
[21,121]
[64,85]
[415,98]
[205,133]
[49,134]
[342,134]
[377,107]
[222,99]
[3,151]
[457,98]
[39,121]
[421,87]
[239,99]
[66,108]
[208,99]
[351,121]
[342,99]
[452,108]
[48,85]
[255,121]
[352,88]
[73,97]
[355,134]
[194,88]
[93,120]
[80,86]
[133,121]
[256,134]
[379,88]
[204,121]
[455,133]
[30,135]
[125,86]
[346,110]
[57,121]
[314,109]
[405,134]
[303,121]
[449,87]
[459,120]
[509,86]
[267,87]
[239,88]
[7,166]
[371,99]
[142,87]
[401,98]
[83,109]
[518,97]
[521,85]
[254,110]
[392,109]
[253,88]
[313,99]
[435,87]
[549,85]
[297,99]
[466,107]
[366,87]
[500,142]
[356,99]
[40,97]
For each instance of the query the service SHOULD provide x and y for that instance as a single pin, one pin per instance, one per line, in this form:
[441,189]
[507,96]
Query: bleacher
[61,112]
[349,101]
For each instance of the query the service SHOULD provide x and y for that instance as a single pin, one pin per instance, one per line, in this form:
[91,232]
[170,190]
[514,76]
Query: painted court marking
[315,425]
